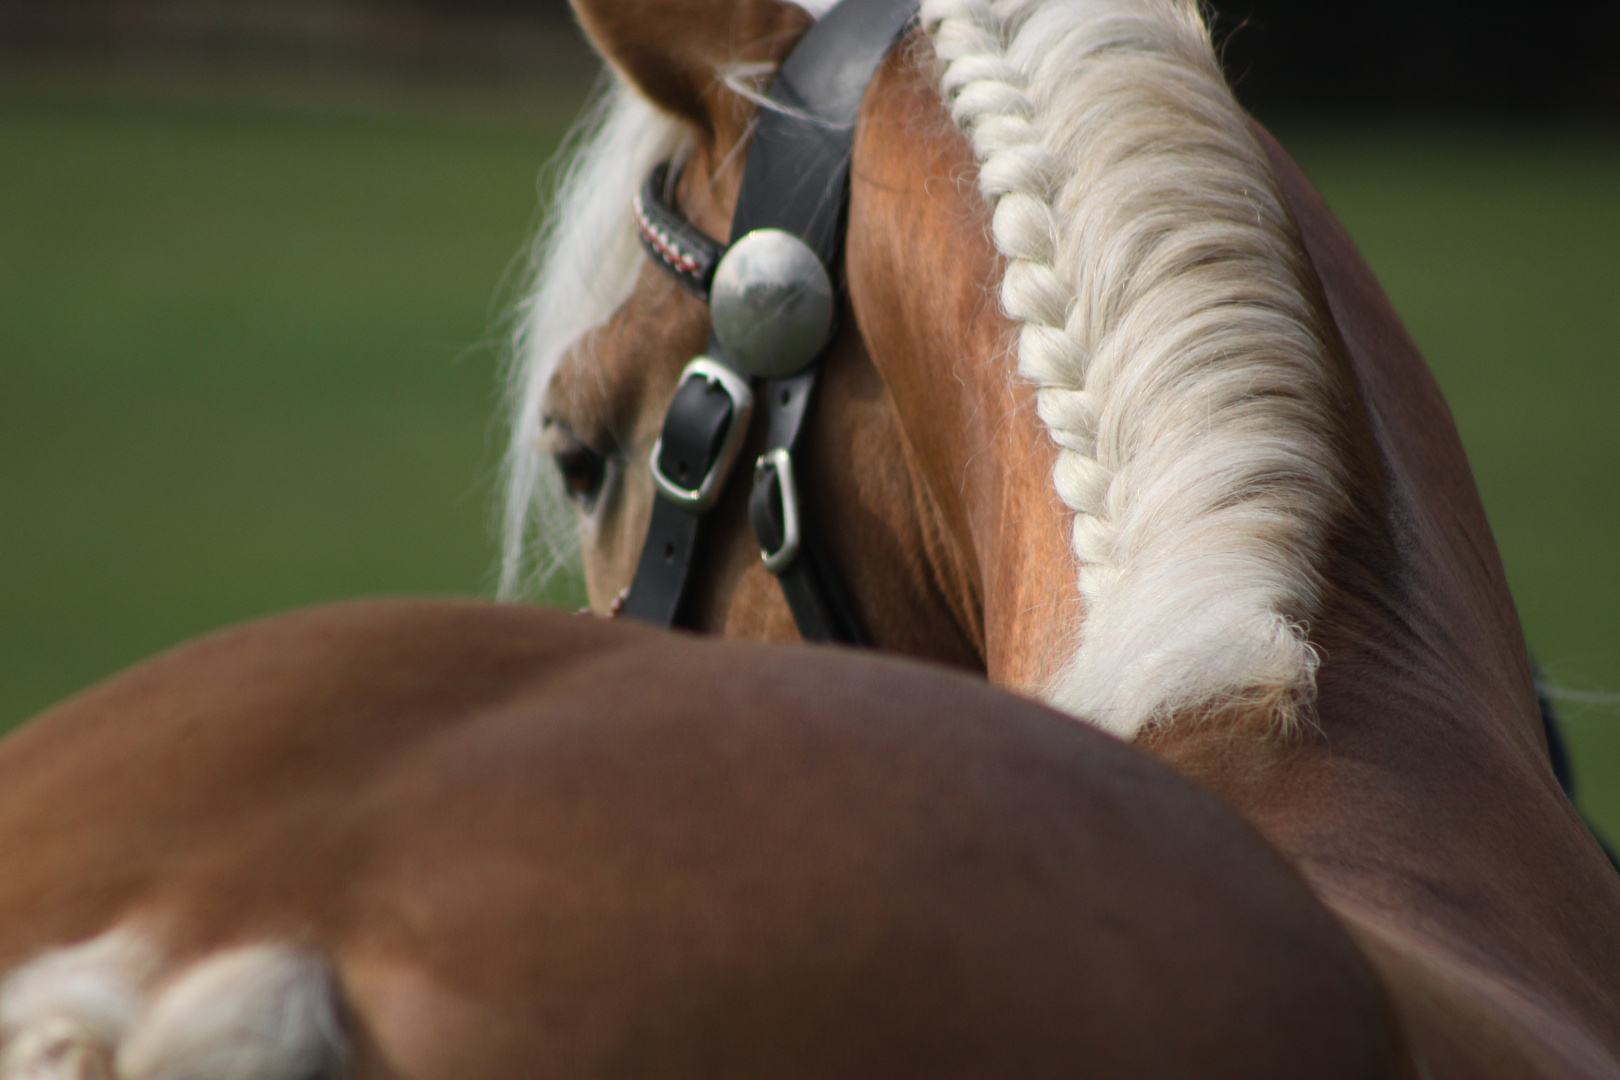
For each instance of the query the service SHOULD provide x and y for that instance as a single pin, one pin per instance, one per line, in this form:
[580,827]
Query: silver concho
[772,303]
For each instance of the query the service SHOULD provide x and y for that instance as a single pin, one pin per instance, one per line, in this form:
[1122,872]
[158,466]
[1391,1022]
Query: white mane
[1165,313]
[1166,317]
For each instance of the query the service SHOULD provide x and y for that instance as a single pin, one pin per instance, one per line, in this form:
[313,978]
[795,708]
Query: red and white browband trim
[661,240]
[670,240]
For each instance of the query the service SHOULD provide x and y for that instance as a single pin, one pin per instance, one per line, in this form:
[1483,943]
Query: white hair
[101,1010]
[586,264]
[1166,317]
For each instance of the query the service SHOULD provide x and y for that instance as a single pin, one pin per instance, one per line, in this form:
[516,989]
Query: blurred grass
[246,363]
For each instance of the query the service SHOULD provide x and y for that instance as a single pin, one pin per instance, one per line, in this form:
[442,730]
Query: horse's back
[519,841]
[238,733]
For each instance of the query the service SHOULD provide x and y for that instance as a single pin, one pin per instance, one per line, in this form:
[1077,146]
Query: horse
[1116,415]
[448,839]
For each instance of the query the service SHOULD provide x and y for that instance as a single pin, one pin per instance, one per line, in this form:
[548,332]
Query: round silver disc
[772,303]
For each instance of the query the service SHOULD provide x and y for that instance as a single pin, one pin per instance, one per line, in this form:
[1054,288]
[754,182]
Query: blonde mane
[1166,318]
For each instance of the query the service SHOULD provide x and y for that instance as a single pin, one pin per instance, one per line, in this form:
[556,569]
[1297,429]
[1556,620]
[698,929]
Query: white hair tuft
[105,1009]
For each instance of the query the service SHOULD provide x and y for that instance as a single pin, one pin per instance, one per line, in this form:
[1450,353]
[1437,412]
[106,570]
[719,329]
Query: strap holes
[787,396]
[669,552]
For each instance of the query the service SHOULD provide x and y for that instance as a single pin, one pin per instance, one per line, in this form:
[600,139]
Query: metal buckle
[780,460]
[707,493]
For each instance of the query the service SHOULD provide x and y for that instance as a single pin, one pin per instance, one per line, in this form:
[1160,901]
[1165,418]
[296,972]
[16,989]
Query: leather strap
[811,584]
[798,162]
[796,179]
[683,250]
[665,569]
[694,431]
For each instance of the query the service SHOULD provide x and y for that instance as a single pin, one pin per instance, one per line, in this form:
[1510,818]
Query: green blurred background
[251,312]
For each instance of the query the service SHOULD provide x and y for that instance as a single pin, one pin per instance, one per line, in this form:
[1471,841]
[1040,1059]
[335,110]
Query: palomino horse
[459,841]
[1116,414]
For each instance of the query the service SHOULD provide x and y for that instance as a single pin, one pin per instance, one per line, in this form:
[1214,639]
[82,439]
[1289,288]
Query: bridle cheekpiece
[772,303]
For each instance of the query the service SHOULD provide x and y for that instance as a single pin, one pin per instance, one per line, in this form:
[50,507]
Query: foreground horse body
[1117,416]
[461,841]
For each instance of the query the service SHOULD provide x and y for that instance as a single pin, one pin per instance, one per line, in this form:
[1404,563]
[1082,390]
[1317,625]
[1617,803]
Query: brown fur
[535,844]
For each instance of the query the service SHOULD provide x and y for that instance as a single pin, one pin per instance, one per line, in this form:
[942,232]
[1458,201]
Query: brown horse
[462,841]
[1118,415]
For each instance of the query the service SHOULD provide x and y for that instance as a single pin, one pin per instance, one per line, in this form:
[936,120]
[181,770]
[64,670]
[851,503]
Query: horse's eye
[583,468]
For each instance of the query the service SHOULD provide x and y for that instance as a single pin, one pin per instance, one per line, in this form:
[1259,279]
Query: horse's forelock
[584,265]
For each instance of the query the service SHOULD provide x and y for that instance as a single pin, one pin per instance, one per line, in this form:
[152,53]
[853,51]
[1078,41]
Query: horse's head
[886,460]
[1086,422]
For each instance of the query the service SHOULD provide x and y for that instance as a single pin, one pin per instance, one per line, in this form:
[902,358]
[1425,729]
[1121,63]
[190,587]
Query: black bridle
[795,182]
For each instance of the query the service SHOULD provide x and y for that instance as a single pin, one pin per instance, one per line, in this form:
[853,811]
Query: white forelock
[586,260]
[1167,319]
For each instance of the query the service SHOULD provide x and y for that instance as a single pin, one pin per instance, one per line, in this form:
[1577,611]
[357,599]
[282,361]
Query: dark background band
[1286,56]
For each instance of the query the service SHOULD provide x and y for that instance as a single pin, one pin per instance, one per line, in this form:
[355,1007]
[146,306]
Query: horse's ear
[677,52]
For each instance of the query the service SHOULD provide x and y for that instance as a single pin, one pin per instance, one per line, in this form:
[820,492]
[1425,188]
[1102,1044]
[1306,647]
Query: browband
[683,250]
[778,271]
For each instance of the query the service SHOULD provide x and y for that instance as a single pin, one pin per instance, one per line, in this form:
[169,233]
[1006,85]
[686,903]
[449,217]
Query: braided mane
[1166,317]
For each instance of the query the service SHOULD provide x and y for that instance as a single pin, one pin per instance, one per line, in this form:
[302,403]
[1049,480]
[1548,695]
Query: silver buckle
[779,560]
[707,493]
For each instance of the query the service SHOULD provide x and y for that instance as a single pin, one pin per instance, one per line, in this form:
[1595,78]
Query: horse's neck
[1419,622]
[1425,811]
[1417,603]
[1446,586]
[918,254]
[1428,765]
